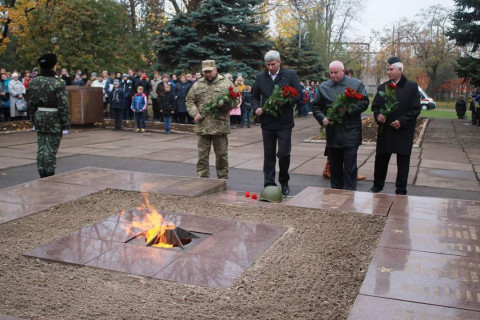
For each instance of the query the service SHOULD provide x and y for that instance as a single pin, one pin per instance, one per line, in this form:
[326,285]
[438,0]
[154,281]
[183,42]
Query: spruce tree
[466,32]
[229,32]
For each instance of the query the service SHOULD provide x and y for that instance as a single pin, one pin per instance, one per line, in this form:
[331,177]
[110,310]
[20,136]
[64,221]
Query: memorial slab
[343,200]
[438,279]
[13,211]
[373,308]
[223,251]
[42,192]
[198,270]
[140,181]
[143,261]
[236,198]
[431,236]
[72,249]
[436,209]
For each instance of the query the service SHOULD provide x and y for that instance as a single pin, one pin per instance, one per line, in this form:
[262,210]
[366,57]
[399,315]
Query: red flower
[247,194]
[254,196]
[392,85]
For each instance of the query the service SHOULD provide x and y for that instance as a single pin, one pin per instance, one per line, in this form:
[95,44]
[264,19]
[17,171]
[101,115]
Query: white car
[426,102]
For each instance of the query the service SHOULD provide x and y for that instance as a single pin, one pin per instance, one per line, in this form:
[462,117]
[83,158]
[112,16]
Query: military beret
[47,61]
[393,60]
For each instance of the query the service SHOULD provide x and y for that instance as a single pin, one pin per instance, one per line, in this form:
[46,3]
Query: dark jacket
[348,134]
[390,140]
[117,98]
[246,101]
[181,91]
[461,107]
[263,89]
[126,86]
[167,104]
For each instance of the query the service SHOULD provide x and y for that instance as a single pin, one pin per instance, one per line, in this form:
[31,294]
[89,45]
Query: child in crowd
[139,105]
[247,107]
[167,107]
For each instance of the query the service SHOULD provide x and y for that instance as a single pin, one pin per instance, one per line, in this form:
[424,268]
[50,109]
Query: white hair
[272,55]
[397,65]
[338,64]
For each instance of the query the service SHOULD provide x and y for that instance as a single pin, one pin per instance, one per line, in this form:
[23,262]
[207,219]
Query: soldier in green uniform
[210,130]
[48,105]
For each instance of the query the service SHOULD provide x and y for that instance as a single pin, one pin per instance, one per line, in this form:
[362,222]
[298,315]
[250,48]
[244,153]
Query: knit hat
[15,75]
[124,75]
[116,81]
[47,61]
[94,74]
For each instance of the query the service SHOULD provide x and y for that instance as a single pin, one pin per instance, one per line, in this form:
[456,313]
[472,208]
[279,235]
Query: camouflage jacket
[201,93]
[46,91]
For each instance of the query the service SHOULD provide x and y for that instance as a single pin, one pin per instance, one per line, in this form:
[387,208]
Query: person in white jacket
[17,94]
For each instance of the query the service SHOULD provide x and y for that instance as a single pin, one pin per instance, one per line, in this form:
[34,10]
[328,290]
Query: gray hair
[336,64]
[272,55]
[397,65]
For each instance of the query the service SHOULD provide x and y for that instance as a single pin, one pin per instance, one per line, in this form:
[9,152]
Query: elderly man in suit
[396,130]
[275,129]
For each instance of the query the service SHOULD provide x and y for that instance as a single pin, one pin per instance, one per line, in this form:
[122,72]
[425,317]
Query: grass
[444,110]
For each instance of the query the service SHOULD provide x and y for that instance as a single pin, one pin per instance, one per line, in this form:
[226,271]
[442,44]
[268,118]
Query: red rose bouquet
[222,101]
[343,105]
[391,103]
[280,97]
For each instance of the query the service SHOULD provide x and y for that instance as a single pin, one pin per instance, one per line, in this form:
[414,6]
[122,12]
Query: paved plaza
[446,164]
[426,263]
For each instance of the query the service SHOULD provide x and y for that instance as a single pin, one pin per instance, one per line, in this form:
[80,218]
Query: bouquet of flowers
[343,105]
[225,100]
[391,102]
[280,97]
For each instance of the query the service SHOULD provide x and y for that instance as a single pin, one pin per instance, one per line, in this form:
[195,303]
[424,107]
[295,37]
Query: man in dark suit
[343,138]
[396,130]
[275,129]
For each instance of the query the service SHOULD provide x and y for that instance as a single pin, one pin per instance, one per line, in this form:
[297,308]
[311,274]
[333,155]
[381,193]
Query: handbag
[21,105]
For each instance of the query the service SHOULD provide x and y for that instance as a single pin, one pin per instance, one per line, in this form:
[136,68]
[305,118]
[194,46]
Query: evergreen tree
[305,60]
[466,32]
[229,32]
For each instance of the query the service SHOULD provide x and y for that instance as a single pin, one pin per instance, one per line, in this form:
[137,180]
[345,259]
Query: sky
[381,13]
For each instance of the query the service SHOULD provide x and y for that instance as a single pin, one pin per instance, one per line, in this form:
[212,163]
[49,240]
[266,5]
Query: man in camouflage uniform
[210,130]
[48,104]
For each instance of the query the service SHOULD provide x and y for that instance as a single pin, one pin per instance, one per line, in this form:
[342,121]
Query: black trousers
[270,139]
[343,168]
[117,116]
[156,109]
[381,169]
[181,117]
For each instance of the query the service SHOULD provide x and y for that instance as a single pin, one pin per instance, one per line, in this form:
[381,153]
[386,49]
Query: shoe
[137,130]
[285,190]
[360,177]
[375,189]
[248,126]
[143,130]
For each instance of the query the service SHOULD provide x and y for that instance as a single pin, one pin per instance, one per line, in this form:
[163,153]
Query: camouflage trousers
[220,146]
[48,144]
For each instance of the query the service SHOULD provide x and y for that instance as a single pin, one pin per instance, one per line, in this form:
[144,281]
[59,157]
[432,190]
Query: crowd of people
[473,106]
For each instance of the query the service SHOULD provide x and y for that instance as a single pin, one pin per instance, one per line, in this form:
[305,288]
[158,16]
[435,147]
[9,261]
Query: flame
[154,224]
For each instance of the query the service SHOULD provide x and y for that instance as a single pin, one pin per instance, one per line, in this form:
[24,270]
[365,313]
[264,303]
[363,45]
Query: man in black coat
[343,138]
[275,129]
[396,130]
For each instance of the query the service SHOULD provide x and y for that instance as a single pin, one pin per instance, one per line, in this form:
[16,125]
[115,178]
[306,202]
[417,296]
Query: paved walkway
[446,165]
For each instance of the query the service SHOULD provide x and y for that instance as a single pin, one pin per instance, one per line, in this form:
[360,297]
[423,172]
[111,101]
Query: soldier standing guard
[48,104]
[210,129]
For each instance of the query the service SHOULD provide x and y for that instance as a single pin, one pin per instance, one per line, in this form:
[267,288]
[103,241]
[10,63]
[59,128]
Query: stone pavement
[446,165]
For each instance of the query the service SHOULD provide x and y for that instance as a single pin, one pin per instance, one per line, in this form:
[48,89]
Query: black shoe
[375,189]
[285,190]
